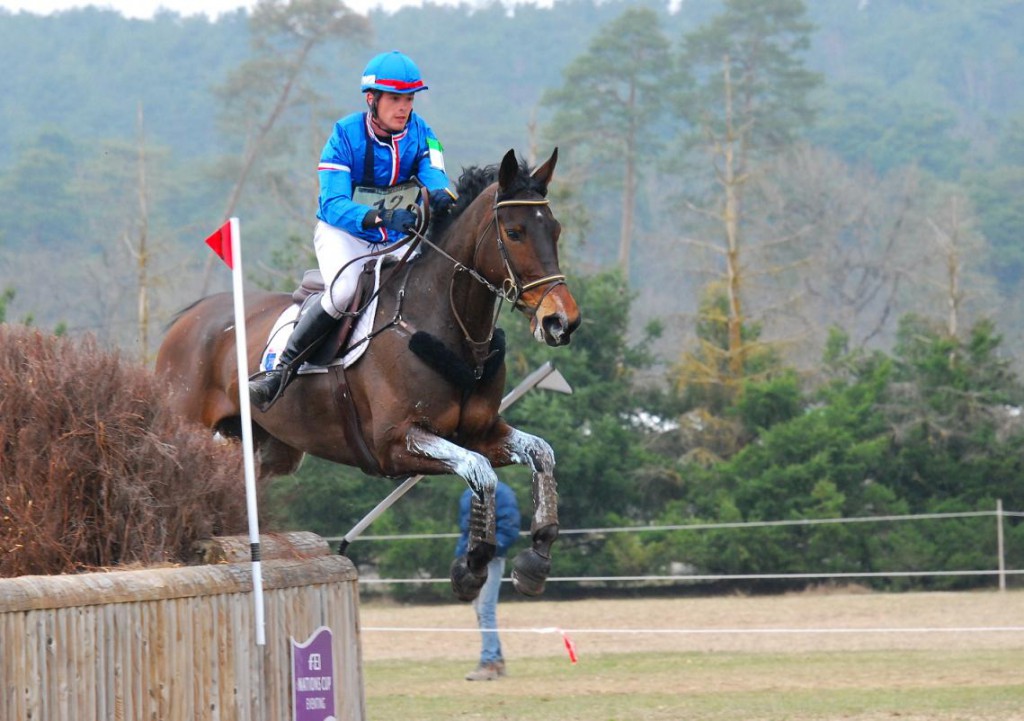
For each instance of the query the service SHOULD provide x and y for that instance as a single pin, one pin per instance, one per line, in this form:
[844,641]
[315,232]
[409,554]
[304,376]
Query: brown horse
[426,391]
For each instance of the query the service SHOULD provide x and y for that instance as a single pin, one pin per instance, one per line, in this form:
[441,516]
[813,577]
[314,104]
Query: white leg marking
[465,463]
[535,452]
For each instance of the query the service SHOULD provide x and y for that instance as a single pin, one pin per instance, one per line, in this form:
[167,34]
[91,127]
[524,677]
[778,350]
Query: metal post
[999,544]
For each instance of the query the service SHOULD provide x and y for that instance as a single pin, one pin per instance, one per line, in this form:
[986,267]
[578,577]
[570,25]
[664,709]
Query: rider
[365,197]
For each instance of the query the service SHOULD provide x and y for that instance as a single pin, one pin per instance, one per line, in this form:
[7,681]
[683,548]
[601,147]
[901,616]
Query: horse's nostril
[555,330]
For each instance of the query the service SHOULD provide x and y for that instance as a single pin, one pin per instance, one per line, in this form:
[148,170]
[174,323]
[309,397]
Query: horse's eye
[513,234]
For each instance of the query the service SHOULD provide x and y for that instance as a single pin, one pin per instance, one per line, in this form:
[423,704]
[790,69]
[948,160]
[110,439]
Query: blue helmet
[393,72]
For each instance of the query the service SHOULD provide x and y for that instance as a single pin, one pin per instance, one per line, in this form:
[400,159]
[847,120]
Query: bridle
[512,287]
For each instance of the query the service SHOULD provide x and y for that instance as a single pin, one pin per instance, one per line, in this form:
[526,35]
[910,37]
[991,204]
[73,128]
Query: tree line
[788,224]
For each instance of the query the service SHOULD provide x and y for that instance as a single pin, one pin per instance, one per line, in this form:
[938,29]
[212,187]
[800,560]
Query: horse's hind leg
[531,567]
[276,458]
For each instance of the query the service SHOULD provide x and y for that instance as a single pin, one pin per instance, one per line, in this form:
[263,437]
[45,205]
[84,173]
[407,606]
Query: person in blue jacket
[492,663]
[366,192]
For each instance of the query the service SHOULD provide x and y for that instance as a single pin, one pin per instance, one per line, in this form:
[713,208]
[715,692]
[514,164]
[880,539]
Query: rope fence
[1001,571]
[699,631]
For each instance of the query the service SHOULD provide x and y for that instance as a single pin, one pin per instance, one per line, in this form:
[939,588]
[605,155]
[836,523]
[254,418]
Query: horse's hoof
[529,572]
[466,585]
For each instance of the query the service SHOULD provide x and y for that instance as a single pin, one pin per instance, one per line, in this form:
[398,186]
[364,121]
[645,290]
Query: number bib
[403,195]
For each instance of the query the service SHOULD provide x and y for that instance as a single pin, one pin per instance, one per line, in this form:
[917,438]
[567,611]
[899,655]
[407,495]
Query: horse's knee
[542,457]
[480,476]
[531,450]
[467,464]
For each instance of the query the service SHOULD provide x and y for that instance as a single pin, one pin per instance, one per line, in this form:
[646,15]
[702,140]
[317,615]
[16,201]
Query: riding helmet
[393,72]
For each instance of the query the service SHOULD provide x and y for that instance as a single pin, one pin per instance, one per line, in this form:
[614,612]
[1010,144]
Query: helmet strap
[375,123]
[372,102]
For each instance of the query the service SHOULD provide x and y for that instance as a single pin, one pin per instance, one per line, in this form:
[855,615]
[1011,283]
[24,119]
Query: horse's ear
[544,172]
[509,170]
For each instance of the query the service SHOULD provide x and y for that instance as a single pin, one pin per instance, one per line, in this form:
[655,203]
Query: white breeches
[338,251]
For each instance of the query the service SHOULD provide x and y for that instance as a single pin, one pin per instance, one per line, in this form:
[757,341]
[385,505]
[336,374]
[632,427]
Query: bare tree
[141,250]
[843,256]
[261,91]
[953,275]
[745,94]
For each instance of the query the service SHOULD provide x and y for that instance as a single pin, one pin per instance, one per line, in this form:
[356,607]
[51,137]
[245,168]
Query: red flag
[220,241]
[570,647]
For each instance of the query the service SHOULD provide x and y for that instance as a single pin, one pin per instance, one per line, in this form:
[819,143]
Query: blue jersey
[506,522]
[413,152]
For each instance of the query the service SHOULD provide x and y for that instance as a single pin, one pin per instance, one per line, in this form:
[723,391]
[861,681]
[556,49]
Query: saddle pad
[354,349]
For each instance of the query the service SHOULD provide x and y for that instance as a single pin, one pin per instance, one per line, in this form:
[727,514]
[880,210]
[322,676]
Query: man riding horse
[365,171]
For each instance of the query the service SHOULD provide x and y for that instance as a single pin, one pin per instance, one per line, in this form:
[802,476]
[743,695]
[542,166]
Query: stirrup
[285,373]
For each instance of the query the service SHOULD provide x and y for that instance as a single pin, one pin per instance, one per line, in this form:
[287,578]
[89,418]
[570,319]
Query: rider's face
[393,110]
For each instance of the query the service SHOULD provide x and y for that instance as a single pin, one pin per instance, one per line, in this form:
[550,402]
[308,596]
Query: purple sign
[313,677]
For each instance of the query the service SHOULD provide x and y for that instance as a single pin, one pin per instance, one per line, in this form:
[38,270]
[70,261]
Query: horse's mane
[474,180]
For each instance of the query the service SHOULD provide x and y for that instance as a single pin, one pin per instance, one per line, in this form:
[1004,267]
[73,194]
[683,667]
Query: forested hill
[907,84]
[793,226]
[85,71]
[892,64]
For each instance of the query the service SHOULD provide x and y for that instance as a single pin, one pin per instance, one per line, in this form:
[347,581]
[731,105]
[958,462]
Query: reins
[512,288]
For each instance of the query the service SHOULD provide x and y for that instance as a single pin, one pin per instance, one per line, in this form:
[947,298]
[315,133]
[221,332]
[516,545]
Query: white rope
[701,631]
[707,526]
[722,577]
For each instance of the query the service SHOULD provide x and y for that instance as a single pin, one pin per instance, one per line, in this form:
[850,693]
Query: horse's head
[527,245]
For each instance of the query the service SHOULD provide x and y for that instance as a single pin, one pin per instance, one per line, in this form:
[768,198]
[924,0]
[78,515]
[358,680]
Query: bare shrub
[95,470]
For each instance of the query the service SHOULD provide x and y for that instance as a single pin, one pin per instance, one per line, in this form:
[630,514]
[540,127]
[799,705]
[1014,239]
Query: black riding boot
[311,328]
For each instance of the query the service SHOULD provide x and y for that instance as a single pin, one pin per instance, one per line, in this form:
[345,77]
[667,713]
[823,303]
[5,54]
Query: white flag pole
[241,347]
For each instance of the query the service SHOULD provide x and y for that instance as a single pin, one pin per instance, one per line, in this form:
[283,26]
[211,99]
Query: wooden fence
[169,644]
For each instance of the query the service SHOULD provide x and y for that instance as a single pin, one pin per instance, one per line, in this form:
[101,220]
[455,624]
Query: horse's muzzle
[556,318]
[556,330]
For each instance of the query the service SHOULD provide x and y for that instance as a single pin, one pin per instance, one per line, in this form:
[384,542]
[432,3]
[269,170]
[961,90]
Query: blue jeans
[486,605]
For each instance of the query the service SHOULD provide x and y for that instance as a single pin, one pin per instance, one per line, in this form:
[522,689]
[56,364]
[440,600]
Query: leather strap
[351,426]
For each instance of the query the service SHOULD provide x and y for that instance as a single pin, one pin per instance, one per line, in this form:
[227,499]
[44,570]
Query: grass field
[843,655]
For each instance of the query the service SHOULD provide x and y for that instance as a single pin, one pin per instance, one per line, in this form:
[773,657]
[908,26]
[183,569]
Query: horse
[427,388]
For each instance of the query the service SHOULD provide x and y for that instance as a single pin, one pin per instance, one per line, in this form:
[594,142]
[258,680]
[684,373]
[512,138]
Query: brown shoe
[499,666]
[483,672]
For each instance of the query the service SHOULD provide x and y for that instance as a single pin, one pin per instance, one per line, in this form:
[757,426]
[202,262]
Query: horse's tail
[177,316]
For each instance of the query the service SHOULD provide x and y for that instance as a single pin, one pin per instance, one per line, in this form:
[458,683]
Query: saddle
[335,347]
[312,288]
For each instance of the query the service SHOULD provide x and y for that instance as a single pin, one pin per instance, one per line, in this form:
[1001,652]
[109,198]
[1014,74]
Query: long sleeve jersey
[413,152]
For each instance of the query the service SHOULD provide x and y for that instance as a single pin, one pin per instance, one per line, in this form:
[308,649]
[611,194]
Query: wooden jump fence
[177,643]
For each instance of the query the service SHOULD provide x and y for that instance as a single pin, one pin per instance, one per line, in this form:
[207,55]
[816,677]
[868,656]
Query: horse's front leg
[531,567]
[468,573]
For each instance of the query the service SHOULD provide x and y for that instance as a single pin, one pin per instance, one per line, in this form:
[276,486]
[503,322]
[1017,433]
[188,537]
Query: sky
[212,8]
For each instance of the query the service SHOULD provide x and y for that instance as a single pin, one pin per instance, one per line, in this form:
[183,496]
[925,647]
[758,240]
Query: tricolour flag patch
[436,153]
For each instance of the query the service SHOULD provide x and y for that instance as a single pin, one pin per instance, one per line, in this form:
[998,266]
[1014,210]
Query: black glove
[441,200]
[398,219]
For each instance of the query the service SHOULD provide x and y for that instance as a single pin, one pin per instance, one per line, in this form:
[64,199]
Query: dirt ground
[813,621]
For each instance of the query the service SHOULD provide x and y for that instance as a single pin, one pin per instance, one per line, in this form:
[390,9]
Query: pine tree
[612,102]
